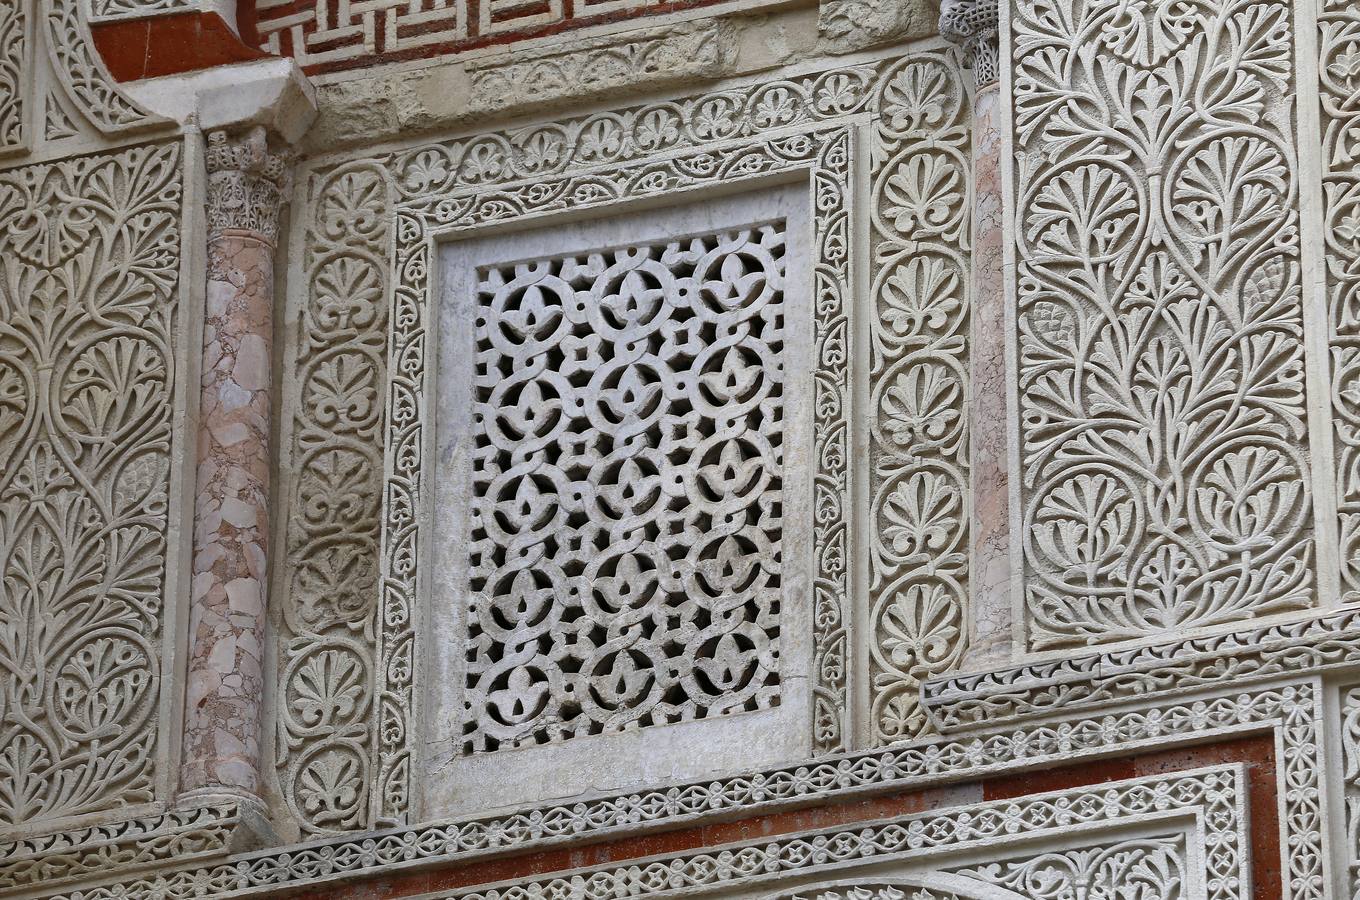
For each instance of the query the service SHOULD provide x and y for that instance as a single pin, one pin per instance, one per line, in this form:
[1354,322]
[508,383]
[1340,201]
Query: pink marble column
[222,724]
[991,528]
[973,25]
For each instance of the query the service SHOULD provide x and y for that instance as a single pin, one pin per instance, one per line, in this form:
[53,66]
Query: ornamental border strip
[1291,709]
[1318,643]
[1216,795]
[201,831]
[829,156]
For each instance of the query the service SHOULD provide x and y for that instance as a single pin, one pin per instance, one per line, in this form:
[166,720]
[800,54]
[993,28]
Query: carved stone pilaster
[246,189]
[974,26]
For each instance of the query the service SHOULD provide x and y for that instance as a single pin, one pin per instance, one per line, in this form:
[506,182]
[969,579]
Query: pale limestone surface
[915,436]
[617,512]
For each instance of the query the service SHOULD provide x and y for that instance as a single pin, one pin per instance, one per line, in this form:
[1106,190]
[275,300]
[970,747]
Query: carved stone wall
[89,348]
[1165,477]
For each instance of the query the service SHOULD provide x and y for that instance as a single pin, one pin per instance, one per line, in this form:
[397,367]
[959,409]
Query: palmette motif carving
[626,531]
[15,75]
[1163,442]
[330,577]
[1339,80]
[1145,868]
[89,265]
[918,388]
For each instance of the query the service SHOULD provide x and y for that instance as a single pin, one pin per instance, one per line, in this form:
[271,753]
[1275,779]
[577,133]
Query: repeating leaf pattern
[1163,438]
[88,317]
[919,388]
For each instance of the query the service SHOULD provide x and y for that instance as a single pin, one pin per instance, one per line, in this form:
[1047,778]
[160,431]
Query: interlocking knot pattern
[628,475]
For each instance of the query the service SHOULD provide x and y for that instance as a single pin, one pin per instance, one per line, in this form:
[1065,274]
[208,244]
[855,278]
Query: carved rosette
[974,26]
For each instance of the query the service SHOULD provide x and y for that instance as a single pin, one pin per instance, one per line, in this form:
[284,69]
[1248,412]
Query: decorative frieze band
[1291,711]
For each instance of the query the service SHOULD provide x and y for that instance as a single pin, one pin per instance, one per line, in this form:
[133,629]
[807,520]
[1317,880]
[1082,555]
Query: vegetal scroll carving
[1339,78]
[1163,438]
[336,394]
[89,267]
[919,388]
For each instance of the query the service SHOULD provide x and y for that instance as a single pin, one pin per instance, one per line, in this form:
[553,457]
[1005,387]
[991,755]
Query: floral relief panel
[1162,432]
[89,269]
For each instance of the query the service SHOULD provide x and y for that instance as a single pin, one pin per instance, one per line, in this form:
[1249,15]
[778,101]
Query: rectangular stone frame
[360,296]
[767,736]
[826,154]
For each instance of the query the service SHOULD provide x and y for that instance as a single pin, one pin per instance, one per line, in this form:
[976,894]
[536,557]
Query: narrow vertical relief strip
[1350,746]
[921,503]
[403,457]
[1339,82]
[832,293]
[16,77]
[336,371]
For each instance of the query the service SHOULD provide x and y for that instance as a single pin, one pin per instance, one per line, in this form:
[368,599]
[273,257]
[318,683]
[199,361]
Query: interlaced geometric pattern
[335,35]
[628,474]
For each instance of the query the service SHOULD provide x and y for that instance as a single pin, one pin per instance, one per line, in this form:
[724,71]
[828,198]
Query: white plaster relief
[918,385]
[82,74]
[1339,81]
[89,359]
[16,75]
[1159,340]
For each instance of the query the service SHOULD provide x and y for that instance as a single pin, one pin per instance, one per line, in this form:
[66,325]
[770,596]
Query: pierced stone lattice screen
[626,555]
[621,544]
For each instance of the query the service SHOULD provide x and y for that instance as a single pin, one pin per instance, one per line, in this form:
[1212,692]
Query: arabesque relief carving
[89,270]
[1163,441]
[920,510]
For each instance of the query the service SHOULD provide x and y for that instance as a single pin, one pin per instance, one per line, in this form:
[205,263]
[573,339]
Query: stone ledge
[1321,642]
[178,837]
[1286,711]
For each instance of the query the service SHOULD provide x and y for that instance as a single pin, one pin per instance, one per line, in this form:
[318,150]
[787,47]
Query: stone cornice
[1314,644]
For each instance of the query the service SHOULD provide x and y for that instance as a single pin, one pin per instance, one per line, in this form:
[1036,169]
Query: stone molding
[1292,711]
[1320,643]
[1213,798]
[53,859]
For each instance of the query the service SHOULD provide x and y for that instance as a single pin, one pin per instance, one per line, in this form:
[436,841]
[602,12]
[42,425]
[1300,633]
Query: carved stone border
[1215,796]
[1290,710]
[424,221]
[1315,644]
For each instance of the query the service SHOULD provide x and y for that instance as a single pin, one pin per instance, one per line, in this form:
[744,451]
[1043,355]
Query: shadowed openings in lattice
[628,474]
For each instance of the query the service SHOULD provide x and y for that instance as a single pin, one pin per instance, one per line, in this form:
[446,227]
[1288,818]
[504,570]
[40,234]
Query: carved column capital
[247,184]
[974,25]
